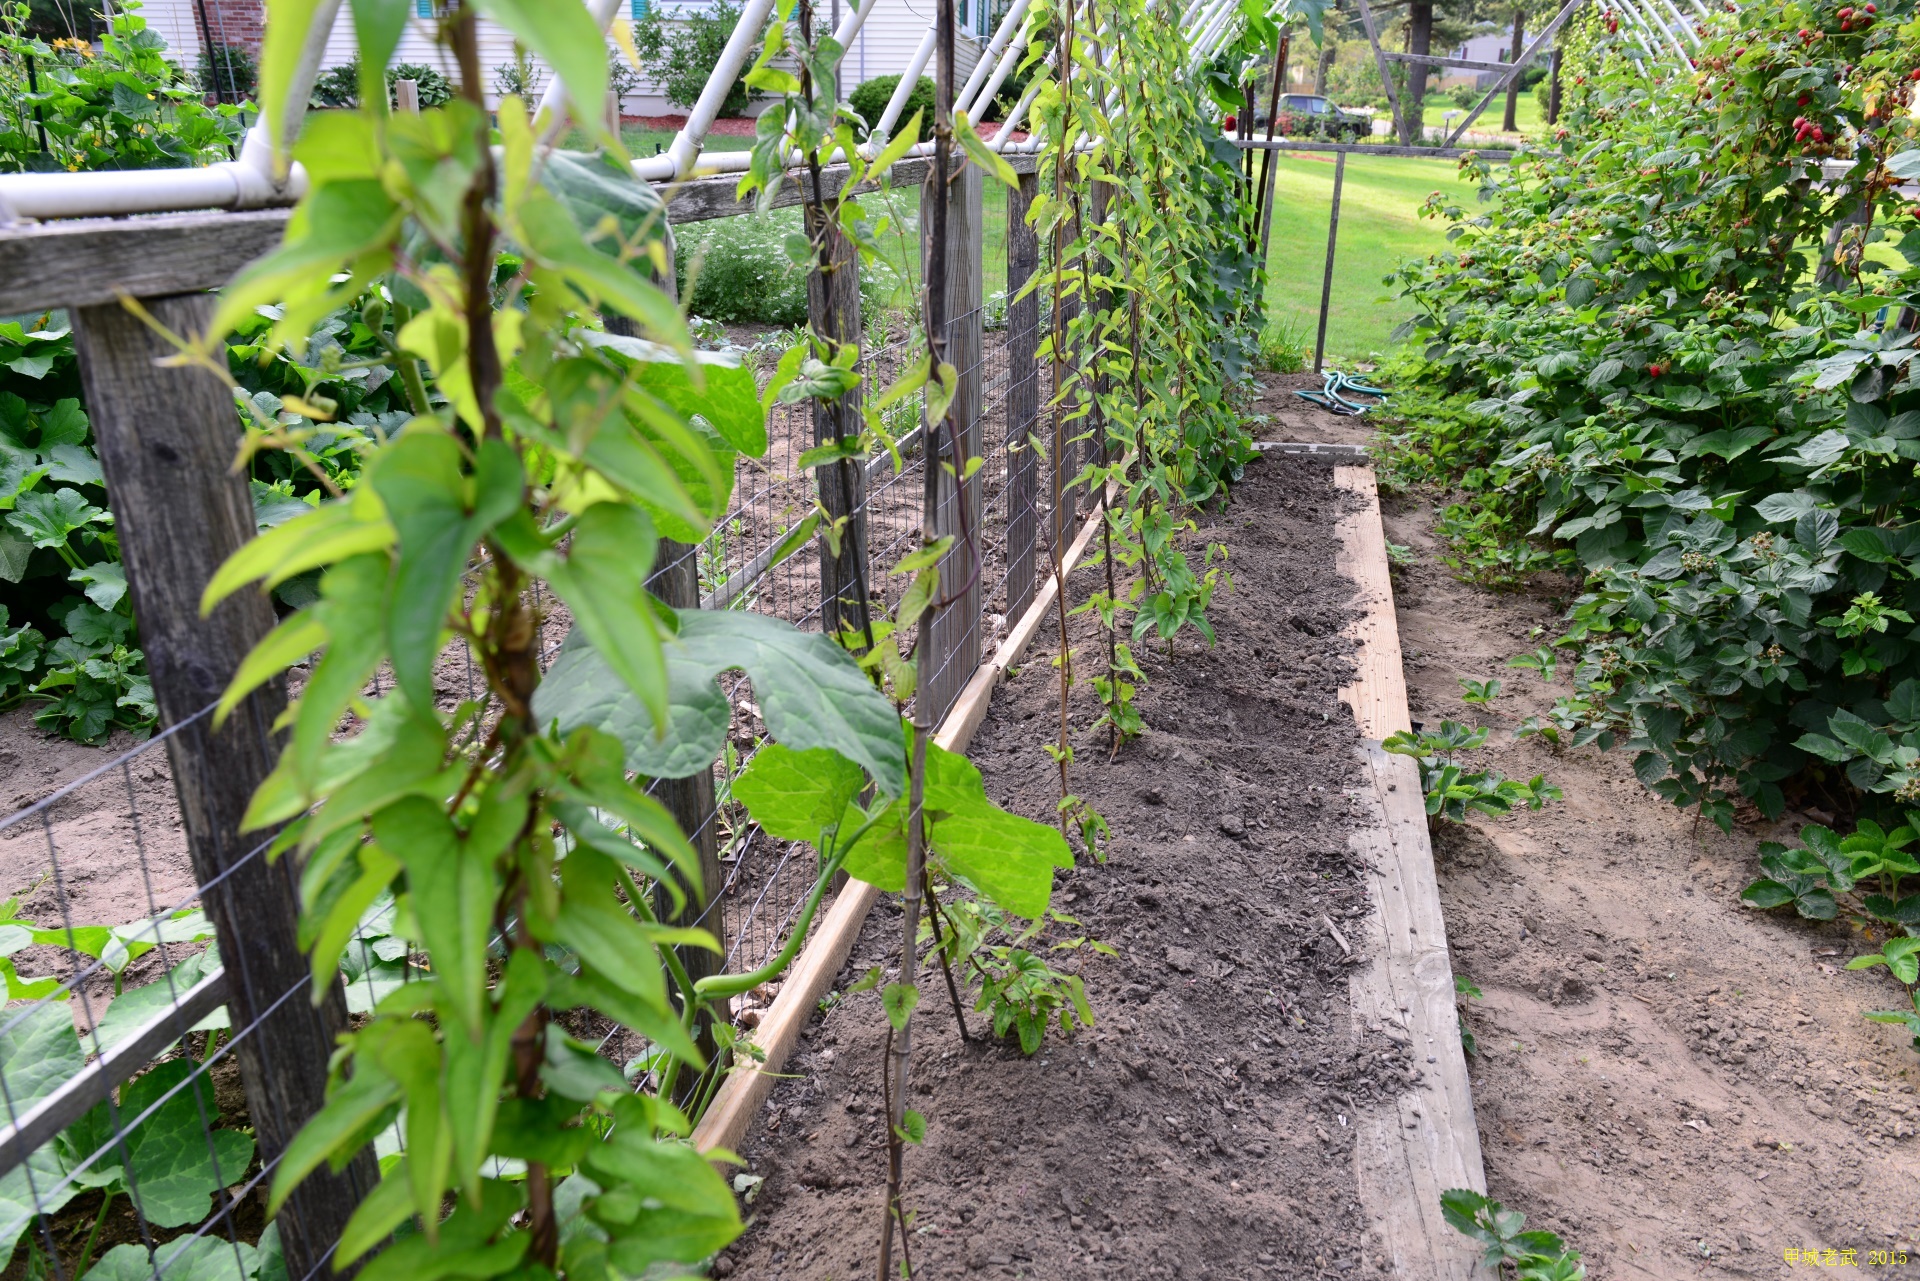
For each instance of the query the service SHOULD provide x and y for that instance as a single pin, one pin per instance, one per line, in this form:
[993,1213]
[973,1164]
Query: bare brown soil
[1677,1083]
[1681,1086]
[1200,1129]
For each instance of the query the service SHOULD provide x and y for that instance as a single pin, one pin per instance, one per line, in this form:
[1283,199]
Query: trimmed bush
[871,99]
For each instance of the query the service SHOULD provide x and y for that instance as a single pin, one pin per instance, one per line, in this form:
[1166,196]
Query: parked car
[1311,115]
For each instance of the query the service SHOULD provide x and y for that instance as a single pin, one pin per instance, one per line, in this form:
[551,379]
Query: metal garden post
[1326,282]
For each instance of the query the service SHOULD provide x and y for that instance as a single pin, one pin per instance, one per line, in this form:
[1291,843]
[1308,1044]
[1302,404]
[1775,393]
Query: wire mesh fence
[129,1142]
[113,981]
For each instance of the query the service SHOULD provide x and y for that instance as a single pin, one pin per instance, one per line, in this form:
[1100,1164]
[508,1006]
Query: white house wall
[886,43]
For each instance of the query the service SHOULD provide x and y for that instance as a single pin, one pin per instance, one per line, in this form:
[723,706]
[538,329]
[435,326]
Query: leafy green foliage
[679,52]
[340,86]
[124,107]
[1452,791]
[1654,358]
[1870,862]
[1019,991]
[871,97]
[1533,1256]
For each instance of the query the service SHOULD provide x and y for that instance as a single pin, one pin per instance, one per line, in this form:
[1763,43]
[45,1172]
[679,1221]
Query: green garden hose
[1329,396]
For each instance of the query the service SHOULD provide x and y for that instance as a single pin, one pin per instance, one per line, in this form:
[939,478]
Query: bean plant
[534,881]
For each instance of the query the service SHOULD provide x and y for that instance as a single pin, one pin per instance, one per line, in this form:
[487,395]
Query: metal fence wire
[127,1149]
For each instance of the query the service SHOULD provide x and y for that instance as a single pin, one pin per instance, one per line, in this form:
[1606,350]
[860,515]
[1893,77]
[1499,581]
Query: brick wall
[235,22]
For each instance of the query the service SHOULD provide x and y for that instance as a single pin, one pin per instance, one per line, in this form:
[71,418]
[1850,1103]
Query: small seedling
[1480,693]
[1468,991]
[1545,730]
[1535,1256]
[1542,660]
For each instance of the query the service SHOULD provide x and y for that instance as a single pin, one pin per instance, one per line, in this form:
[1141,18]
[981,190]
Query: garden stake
[934,309]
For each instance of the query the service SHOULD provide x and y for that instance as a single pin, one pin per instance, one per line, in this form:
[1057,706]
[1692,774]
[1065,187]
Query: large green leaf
[603,580]
[453,890]
[796,795]
[132,1009]
[1008,859]
[203,1258]
[810,691]
[595,187]
[178,1163]
[725,394]
[37,1055]
[420,480]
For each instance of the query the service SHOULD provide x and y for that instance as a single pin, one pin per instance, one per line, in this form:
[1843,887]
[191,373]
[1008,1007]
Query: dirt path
[1201,1129]
[1679,1085]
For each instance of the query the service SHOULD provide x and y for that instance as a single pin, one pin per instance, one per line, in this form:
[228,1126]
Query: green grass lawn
[1379,226]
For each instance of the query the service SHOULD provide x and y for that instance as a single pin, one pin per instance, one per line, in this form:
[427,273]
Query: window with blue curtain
[640,8]
[423,7]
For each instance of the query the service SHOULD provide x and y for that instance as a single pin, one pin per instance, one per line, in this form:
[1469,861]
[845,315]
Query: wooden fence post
[1098,301]
[167,438]
[956,629]
[1023,395]
[1066,455]
[676,581]
[833,306]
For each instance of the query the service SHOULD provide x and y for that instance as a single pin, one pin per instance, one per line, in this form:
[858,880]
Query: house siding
[887,41]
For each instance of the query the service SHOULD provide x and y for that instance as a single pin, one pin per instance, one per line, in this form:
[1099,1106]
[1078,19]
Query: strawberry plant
[1452,791]
[1510,1250]
[1871,861]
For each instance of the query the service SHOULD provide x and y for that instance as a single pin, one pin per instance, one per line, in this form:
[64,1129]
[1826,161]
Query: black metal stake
[33,84]
[1326,283]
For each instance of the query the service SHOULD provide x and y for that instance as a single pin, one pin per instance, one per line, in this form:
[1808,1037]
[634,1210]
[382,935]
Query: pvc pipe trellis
[250,182]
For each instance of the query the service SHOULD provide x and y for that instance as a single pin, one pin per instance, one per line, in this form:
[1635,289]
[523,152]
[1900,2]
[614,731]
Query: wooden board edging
[1425,1140]
[731,1113]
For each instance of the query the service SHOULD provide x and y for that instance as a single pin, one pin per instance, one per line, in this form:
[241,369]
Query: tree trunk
[1553,91]
[1419,40]
[1509,124]
[1322,67]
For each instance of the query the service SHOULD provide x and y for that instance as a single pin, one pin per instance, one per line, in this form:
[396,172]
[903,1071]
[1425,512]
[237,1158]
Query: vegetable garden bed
[1205,1125]
[1674,1082]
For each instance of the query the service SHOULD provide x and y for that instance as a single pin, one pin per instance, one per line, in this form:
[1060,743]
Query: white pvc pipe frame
[249,181]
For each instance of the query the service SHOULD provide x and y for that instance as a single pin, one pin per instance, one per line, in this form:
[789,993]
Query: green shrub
[230,74]
[681,53]
[738,271]
[123,106]
[340,86]
[1644,362]
[871,99]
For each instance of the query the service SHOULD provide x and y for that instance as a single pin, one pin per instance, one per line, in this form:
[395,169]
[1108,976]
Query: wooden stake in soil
[936,432]
[1023,396]
[166,438]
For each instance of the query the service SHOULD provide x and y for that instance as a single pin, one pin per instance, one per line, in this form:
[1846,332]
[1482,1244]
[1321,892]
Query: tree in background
[680,53]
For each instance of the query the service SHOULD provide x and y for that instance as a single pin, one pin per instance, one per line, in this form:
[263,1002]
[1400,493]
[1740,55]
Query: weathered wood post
[676,581]
[1099,301]
[406,95]
[833,307]
[167,438]
[1333,239]
[956,629]
[1023,396]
